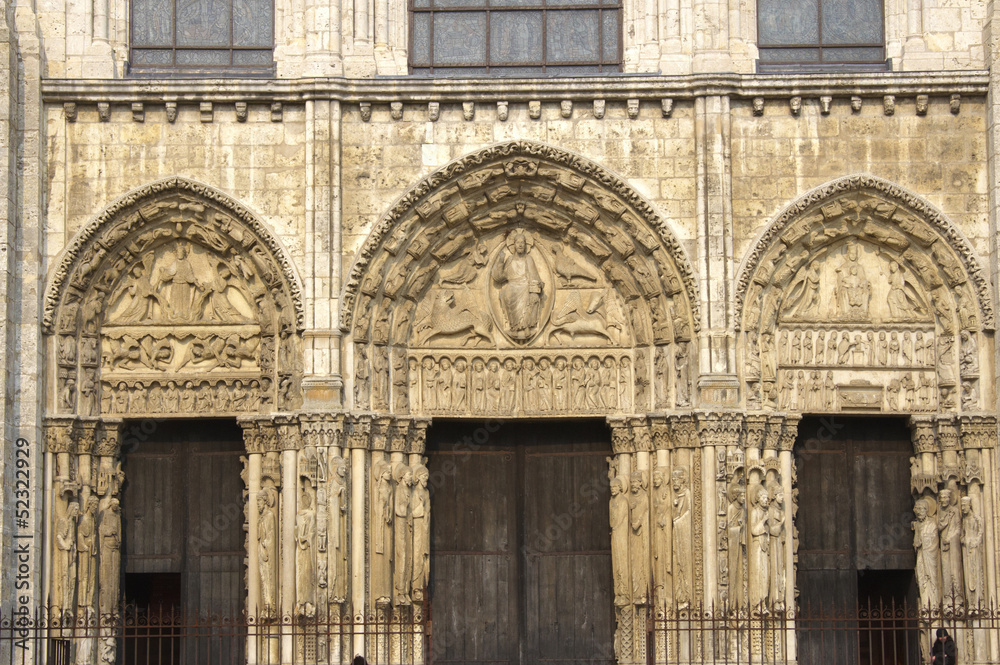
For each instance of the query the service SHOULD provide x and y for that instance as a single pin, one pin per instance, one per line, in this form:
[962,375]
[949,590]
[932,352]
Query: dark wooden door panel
[182,513]
[520,545]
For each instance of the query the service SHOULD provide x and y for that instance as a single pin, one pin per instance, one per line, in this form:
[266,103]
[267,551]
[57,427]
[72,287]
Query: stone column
[924,487]
[110,477]
[358,431]
[979,436]
[627,634]
[59,446]
[254,449]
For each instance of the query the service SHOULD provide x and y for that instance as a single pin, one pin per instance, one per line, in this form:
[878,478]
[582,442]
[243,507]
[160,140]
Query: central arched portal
[521,283]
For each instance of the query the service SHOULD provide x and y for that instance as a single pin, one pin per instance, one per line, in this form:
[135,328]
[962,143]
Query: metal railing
[154,636]
[874,634]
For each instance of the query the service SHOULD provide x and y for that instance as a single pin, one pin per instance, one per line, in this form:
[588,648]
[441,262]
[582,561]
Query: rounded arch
[881,200]
[506,256]
[862,296]
[174,299]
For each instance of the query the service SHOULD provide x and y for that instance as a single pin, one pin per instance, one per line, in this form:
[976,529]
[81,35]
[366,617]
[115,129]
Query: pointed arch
[175,298]
[601,272]
[863,296]
[884,201]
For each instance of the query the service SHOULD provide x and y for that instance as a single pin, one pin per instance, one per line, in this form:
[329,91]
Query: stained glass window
[802,32]
[202,36]
[514,37]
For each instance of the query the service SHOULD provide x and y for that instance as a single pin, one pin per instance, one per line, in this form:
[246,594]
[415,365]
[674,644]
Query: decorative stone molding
[978,432]
[560,296]
[922,433]
[892,204]
[719,429]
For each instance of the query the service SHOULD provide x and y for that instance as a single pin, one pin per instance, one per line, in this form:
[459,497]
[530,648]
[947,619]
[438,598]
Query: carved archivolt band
[881,200]
[862,298]
[528,171]
[175,300]
[134,201]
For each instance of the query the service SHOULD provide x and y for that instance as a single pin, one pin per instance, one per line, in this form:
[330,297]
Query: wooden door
[853,520]
[182,519]
[520,545]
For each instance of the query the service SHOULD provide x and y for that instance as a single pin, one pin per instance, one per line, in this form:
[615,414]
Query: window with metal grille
[821,32]
[515,37]
[202,37]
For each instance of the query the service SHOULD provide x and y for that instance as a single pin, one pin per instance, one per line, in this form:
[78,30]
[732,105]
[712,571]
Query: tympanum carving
[499,259]
[862,298]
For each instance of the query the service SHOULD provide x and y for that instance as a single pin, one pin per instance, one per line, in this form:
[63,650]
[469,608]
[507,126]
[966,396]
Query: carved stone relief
[495,261]
[175,300]
[861,301]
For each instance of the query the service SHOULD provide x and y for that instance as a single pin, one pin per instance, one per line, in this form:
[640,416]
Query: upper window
[202,36]
[821,32]
[515,37]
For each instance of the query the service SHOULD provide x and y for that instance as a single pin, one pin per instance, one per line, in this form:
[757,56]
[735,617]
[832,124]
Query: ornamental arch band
[520,283]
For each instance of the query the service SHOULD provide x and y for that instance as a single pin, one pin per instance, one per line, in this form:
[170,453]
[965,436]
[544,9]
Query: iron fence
[870,634]
[874,634]
[154,636]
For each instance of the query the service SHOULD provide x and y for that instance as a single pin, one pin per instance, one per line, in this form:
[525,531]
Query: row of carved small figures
[239,396]
[544,385]
[857,348]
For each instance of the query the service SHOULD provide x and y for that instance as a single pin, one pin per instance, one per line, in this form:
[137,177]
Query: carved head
[560,363]
[402,475]
[544,363]
[945,497]
[678,479]
[658,477]
[428,363]
[528,364]
[494,365]
[637,481]
[461,365]
[594,363]
[445,364]
[760,496]
[617,486]
[478,365]
[578,363]
[422,475]
[966,505]
[508,364]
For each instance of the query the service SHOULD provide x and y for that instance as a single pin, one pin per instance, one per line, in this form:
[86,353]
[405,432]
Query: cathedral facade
[614,315]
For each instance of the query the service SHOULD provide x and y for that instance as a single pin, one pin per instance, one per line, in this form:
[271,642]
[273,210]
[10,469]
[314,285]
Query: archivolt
[572,195]
[899,215]
[109,236]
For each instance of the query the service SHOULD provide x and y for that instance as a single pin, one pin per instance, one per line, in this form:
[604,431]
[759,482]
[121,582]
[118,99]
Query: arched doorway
[174,303]
[523,282]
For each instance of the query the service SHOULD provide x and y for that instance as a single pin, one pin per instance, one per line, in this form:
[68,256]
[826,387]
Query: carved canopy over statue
[174,301]
[863,298]
[521,280]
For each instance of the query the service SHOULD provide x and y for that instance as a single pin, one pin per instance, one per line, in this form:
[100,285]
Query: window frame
[198,71]
[543,67]
[819,46]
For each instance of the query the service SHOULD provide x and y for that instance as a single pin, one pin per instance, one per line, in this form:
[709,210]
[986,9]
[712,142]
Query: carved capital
[922,433]
[289,434]
[719,429]
[622,439]
[979,432]
[253,440]
[660,431]
[398,434]
[109,439]
[58,433]
[789,431]
[359,431]
[754,428]
[85,437]
[641,437]
[772,434]
[380,433]
[685,431]
[418,435]
[947,431]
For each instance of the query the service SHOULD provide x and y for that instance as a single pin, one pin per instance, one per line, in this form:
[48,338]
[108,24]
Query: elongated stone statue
[420,512]
[619,542]
[682,538]
[639,538]
[402,527]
